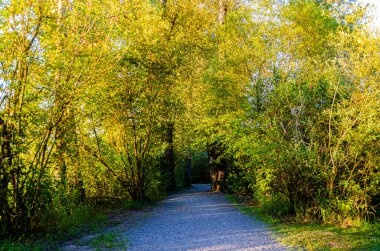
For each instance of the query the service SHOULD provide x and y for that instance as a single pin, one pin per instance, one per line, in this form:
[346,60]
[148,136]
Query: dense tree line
[118,99]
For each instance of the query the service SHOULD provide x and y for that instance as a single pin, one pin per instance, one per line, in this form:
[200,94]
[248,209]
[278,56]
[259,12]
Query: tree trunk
[217,167]
[222,11]
[214,151]
[65,133]
[168,162]
[5,163]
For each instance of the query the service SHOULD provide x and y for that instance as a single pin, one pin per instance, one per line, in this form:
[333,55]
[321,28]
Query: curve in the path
[200,220]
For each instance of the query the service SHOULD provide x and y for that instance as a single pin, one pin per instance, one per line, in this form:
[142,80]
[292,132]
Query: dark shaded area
[200,171]
[168,161]
[218,166]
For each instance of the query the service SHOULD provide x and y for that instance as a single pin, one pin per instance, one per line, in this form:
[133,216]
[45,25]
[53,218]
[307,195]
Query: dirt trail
[195,219]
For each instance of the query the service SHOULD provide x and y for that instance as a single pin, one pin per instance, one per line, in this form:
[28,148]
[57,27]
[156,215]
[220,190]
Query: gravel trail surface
[195,219]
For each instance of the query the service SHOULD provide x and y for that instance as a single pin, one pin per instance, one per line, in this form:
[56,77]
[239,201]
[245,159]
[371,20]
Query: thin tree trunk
[65,129]
[222,11]
[217,170]
[169,163]
[5,162]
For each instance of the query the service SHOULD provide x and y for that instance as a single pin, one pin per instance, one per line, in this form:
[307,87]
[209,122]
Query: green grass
[106,240]
[80,221]
[67,224]
[17,246]
[315,236]
[109,240]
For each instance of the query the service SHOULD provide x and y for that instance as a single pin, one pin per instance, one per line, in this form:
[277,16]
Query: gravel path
[200,220]
[195,219]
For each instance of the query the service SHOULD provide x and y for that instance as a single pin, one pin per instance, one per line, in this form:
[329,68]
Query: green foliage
[89,104]
[277,204]
[103,102]
[298,145]
[310,236]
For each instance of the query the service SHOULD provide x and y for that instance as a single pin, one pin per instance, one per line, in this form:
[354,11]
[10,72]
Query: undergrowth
[313,236]
[69,223]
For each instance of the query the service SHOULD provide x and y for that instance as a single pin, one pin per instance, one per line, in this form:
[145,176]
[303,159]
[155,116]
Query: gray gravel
[195,219]
[200,220]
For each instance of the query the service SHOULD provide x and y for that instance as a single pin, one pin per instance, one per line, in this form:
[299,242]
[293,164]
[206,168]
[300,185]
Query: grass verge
[314,236]
[105,240]
[71,224]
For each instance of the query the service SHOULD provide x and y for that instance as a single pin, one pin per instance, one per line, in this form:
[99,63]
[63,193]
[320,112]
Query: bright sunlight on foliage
[113,100]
